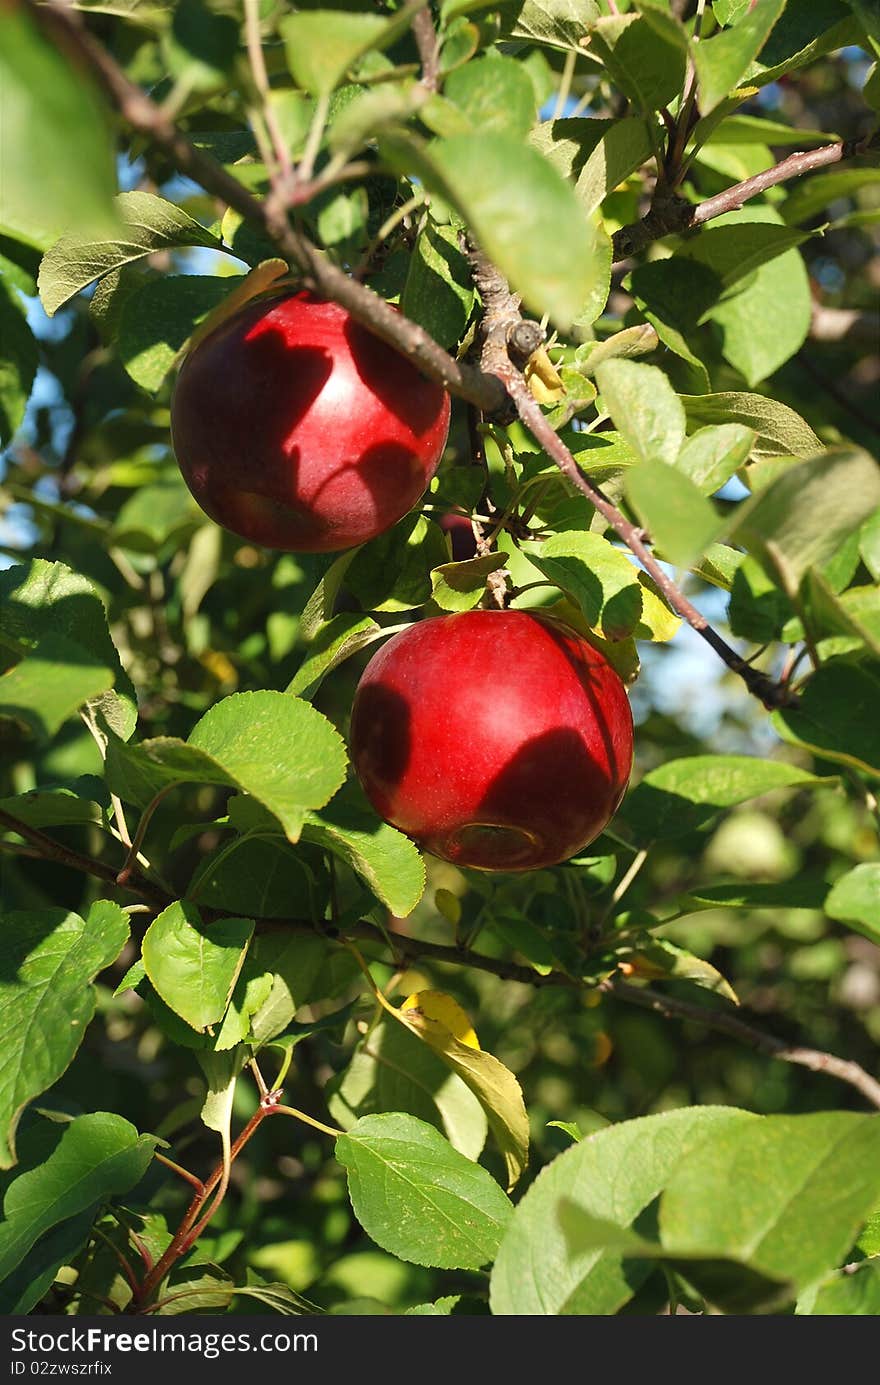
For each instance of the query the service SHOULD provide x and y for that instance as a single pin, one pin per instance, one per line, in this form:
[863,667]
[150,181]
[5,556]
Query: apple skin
[461,535]
[296,428]
[499,740]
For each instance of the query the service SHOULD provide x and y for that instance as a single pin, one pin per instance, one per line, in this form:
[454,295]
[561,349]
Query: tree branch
[51,850]
[411,949]
[672,215]
[428,45]
[505,327]
[148,119]
[724,1022]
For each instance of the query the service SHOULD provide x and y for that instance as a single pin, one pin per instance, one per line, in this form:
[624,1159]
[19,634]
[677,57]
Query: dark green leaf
[67,1169]
[817,723]
[684,794]
[18,363]
[46,1000]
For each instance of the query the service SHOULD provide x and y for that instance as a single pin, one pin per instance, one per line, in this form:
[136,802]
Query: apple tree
[504,372]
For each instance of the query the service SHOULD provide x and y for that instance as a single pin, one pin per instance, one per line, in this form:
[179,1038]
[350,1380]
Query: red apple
[461,534]
[296,428]
[495,739]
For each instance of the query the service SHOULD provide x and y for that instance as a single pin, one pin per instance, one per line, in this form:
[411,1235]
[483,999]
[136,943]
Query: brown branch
[87,865]
[428,45]
[849,325]
[770,692]
[318,273]
[411,949]
[724,1022]
[672,215]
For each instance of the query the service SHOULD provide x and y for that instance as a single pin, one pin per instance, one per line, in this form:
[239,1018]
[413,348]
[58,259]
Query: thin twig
[318,272]
[54,851]
[428,45]
[672,215]
[417,950]
[770,692]
[261,82]
[723,1022]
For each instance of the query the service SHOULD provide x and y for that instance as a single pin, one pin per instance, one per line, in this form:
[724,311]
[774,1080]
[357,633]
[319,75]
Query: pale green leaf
[194,965]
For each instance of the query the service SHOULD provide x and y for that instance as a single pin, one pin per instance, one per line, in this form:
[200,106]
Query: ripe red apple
[495,739]
[461,534]
[296,428]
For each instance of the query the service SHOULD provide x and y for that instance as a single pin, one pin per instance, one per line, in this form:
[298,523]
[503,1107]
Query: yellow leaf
[542,378]
[436,1005]
[257,281]
[494,1086]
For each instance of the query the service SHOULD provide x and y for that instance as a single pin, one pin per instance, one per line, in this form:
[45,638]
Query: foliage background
[197,615]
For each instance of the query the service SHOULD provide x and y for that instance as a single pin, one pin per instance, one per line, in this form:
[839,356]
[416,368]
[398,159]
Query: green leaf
[24,1287]
[494,1085]
[785,1195]
[806,30]
[55,807]
[390,573]
[66,1170]
[46,1000]
[855,900]
[158,319]
[388,861]
[150,224]
[256,876]
[801,518]
[555,23]
[18,364]
[200,46]
[417,1197]
[392,1070]
[301,969]
[53,122]
[806,892]
[342,636]
[597,154]
[682,795]
[524,215]
[42,601]
[644,408]
[852,738]
[322,45]
[461,586]
[439,293]
[853,1293]
[722,61]
[268,744]
[711,456]
[613,1173]
[681,521]
[807,199]
[50,684]
[495,93]
[646,56]
[768,321]
[598,577]
[157,514]
[194,965]
[658,959]
[781,431]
